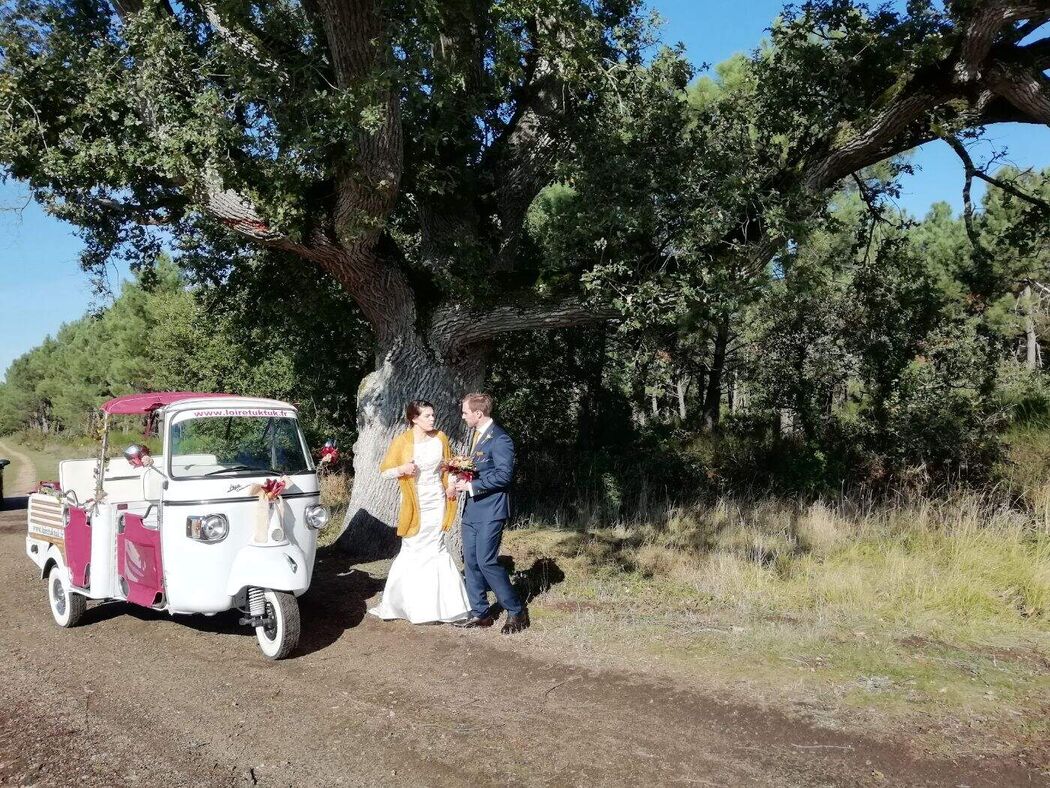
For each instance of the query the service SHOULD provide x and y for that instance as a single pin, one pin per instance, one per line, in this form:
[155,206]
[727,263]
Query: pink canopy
[146,403]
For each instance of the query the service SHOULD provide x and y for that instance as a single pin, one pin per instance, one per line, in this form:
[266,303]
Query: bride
[423,584]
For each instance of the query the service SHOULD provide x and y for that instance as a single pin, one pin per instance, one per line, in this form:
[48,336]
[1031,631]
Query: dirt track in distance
[137,698]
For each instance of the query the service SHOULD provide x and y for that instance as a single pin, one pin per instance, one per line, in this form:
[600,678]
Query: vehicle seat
[78,476]
[122,482]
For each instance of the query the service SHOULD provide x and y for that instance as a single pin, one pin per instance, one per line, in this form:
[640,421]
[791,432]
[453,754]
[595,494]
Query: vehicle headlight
[316,517]
[208,528]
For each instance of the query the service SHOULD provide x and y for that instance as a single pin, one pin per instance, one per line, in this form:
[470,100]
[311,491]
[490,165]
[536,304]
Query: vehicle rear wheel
[281,634]
[67,607]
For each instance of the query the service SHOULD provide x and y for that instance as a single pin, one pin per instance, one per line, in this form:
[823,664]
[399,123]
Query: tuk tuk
[225,517]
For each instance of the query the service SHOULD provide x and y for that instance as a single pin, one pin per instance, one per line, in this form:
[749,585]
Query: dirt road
[135,698]
[18,477]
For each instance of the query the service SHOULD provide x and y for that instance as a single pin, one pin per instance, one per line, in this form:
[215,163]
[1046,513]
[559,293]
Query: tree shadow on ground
[367,538]
[337,600]
[530,583]
[335,603]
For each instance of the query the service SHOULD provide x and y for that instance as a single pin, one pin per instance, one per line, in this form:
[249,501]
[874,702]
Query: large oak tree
[400,144]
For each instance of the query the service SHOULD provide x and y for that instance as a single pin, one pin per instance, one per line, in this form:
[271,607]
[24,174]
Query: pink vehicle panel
[78,546]
[139,561]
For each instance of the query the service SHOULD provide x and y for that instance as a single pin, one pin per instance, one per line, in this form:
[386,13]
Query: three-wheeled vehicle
[226,517]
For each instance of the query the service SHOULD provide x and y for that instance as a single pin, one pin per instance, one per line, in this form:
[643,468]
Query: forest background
[772,431]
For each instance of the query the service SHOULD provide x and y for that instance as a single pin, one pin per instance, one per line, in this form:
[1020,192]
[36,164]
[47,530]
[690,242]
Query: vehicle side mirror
[138,456]
[4,464]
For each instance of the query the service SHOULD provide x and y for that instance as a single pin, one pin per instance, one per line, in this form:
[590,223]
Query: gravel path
[19,475]
[132,697]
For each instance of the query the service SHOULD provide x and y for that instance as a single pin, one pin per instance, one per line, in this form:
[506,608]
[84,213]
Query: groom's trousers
[480,550]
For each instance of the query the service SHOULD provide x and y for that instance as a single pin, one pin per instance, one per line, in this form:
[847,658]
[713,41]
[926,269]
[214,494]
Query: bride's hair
[415,407]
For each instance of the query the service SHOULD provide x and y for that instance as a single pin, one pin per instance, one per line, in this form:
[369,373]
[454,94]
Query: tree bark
[712,412]
[1031,343]
[682,386]
[405,370]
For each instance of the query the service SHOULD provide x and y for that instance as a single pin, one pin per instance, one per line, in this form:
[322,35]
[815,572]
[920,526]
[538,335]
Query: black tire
[280,639]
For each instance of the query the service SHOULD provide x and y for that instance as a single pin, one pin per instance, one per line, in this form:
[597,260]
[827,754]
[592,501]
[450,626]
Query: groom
[484,515]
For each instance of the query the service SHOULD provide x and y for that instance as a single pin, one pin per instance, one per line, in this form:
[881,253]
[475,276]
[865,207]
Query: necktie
[474,440]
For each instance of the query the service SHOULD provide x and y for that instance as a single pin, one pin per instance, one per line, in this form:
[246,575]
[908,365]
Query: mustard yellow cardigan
[402,450]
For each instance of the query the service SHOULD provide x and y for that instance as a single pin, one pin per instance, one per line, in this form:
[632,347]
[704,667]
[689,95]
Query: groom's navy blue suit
[484,515]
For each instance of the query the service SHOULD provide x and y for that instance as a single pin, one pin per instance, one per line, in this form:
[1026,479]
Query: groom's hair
[479,401]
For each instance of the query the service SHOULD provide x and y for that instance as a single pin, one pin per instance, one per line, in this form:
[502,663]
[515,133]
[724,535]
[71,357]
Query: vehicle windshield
[226,445]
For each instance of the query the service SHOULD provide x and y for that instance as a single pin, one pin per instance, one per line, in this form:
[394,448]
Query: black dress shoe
[474,622]
[517,623]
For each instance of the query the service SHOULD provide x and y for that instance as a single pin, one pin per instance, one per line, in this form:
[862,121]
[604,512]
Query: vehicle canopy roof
[141,404]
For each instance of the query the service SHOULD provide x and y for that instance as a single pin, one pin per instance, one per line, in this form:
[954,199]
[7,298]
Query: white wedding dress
[424,585]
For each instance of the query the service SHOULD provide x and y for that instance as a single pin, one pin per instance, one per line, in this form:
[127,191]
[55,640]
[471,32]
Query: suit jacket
[494,457]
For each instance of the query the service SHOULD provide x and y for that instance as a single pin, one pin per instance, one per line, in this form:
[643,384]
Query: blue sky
[42,286]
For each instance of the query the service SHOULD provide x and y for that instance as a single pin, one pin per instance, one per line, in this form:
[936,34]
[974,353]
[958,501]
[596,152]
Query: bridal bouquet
[462,466]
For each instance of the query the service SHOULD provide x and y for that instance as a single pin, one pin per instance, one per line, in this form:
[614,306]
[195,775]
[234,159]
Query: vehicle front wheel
[280,635]
[66,606]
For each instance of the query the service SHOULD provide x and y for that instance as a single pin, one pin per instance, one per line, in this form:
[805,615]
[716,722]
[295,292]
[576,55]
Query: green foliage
[846,348]
[169,336]
[864,357]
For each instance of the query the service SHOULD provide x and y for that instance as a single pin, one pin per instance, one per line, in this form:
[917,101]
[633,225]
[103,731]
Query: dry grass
[938,609]
[335,494]
[955,563]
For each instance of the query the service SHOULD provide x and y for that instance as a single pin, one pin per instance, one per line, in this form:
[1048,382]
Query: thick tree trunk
[406,371]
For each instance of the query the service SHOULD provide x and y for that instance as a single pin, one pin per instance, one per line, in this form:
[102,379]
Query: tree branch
[145,215]
[983,28]
[968,211]
[972,171]
[346,247]
[361,56]
[875,143]
[1027,90]
[457,326]
[521,158]
[240,41]
[1037,54]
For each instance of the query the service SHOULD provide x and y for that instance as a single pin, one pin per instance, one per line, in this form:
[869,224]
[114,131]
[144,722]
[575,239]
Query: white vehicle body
[136,536]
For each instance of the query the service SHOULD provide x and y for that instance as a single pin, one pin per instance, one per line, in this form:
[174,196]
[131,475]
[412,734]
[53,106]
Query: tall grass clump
[964,566]
[335,494]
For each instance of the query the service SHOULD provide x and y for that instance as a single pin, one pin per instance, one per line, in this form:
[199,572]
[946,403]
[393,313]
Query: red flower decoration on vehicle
[330,456]
[272,488]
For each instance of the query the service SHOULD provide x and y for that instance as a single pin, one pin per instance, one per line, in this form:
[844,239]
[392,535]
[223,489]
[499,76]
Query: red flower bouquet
[461,466]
